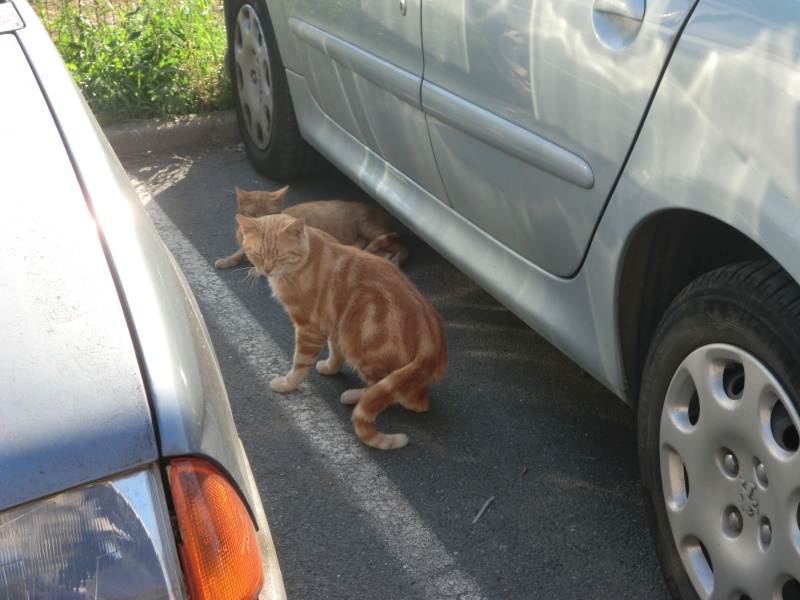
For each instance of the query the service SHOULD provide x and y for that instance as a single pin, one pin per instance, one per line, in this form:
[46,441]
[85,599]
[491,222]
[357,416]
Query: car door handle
[631,9]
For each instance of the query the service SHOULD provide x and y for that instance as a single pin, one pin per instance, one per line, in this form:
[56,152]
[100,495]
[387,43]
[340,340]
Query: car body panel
[563,79]
[742,172]
[372,55]
[180,371]
[743,169]
[378,28]
[68,370]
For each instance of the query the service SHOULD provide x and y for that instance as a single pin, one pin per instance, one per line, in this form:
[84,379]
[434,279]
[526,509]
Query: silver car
[121,471]
[624,176]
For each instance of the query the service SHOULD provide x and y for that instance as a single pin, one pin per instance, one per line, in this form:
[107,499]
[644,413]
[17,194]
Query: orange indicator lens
[219,552]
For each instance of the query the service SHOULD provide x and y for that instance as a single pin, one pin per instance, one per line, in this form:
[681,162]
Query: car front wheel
[718,436]
[267,123]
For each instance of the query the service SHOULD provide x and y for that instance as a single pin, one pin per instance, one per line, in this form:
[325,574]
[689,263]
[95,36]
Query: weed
[154,59]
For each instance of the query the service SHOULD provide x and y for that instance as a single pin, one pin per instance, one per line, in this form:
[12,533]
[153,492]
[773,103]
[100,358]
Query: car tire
[718,435]
[265,114]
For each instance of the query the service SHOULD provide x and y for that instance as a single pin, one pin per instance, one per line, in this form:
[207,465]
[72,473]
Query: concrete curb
[165,136]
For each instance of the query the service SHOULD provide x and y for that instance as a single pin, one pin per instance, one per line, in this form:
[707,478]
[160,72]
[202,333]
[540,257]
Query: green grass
[157,58]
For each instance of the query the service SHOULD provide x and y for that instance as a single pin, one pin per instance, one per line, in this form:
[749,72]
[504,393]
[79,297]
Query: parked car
[121,471]
[624,177]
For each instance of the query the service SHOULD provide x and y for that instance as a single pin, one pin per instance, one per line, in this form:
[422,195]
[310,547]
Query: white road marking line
[402,530]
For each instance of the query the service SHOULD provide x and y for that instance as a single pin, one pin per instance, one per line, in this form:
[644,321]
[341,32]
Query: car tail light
[219,551]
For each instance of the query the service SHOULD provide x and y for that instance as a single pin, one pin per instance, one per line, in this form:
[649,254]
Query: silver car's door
[533,106]
[362,61]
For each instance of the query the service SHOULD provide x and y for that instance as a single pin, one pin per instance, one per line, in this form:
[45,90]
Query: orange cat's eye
[219,552]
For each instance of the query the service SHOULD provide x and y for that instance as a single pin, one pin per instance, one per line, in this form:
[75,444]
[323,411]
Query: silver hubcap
[730,468]
[253,76]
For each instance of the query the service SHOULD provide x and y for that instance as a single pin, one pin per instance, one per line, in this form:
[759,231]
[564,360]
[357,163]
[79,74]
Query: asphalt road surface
[520,482]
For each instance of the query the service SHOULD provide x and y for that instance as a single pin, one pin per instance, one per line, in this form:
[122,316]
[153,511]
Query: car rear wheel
[267,122]
[718,436]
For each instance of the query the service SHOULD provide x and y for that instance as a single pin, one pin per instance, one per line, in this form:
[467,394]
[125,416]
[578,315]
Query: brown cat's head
[257,204]
[276,244]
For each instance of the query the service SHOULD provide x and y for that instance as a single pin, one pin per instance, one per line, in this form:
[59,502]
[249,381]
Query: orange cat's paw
[325,367]
[393,441]
[282,385]
[234,260]
[353,396]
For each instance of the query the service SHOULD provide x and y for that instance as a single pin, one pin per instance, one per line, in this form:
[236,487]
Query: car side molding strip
[505,136]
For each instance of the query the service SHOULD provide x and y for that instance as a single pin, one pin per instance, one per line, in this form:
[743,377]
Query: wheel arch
[665,253]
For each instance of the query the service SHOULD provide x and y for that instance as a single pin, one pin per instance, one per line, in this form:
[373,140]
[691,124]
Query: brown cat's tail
[388,246]
[411,381]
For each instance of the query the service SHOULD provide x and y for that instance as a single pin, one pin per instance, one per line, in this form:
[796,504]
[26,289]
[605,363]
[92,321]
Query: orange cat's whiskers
[248,272]
[252,277]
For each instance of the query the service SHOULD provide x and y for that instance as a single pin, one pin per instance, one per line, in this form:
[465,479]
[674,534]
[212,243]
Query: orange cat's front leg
[307,345]
[234,260]
[334,362]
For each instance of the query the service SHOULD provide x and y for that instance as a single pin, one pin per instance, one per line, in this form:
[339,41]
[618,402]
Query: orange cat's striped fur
[368,311]
[352,223]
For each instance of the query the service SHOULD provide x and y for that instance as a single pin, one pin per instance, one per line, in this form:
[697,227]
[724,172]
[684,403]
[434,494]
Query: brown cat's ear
[276,200]
[295,229]
[247,224]
[241,195]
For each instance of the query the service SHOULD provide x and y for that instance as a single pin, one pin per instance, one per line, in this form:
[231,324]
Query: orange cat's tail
[408,386]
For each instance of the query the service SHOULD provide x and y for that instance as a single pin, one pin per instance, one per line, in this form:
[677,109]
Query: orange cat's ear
[247,224]
[295,229]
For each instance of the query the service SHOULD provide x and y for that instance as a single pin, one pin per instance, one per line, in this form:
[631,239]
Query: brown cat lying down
[369,312]
[352,223]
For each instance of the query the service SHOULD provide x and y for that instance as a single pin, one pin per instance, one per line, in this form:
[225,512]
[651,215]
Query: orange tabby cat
[368,311]
[352,223]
